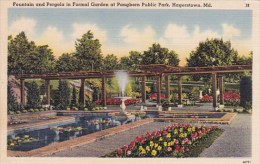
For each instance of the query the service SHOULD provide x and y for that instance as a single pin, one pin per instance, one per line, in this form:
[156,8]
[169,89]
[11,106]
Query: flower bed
[153,96]
[177,140]
[115,101]
[230,98]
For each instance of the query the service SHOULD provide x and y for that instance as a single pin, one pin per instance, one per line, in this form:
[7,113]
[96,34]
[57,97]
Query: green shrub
[245,91]
[31,110]
[18,112]
[85,109]
[36,110]
[24,111]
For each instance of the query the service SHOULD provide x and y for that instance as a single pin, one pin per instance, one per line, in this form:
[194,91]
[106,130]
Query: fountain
[122,79]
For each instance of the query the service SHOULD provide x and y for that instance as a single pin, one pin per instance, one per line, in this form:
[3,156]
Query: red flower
[125,147]
[177,147]
[164,133]
[182,149]
[119,151]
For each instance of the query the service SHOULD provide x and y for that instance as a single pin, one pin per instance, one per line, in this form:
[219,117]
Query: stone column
[48,91]
[103,90]
[167,87]
[221,89]
[22,92]
[214,89]
[159,82]
[179,91]
[143,89]
[82,92]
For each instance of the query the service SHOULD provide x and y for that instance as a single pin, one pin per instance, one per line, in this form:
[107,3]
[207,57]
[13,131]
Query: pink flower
[169,149]
[128,152]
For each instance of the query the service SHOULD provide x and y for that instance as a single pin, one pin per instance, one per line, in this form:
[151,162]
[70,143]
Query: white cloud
[23,24]
[55,39]
[80,29]
[229,31]
[136,37]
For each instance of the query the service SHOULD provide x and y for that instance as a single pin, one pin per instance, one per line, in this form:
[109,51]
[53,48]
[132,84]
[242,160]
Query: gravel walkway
[234,142]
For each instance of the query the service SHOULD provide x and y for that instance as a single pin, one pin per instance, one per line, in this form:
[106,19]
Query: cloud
[138,39]
[80,29]
[229,31]
[55,39]
[23,24]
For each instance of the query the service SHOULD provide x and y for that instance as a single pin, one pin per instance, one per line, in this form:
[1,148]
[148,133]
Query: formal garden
[55,104]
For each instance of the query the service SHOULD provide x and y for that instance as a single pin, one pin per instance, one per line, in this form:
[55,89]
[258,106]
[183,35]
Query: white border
[230,5]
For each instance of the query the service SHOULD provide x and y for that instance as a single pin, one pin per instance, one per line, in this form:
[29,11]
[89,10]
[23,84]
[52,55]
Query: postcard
[130,81]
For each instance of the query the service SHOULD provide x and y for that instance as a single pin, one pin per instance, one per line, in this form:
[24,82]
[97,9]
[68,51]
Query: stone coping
[226,119]
[59,146]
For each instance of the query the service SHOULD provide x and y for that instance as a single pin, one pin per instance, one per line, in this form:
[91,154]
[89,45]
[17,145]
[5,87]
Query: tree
[212,52]
[19,50]
[88,52]
[64,94]
[160,55]
[132,61]
[66,62]
[246,91]
[74,97]
[25,57]
[33,95]
[244,60]
[110,62]
[12,104]
[41,60]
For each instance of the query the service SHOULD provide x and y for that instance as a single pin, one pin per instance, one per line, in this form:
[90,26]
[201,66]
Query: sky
[123,30]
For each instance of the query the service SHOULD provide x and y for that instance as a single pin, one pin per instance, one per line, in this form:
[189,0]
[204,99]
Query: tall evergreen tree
[88,52]
[33,95]
[74,97]
[64,94]
[12,104]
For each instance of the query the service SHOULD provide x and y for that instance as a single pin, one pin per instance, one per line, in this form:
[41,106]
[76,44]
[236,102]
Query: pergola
[157,70]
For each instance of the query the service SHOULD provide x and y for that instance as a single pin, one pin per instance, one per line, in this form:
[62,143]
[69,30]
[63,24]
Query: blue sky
[123,30]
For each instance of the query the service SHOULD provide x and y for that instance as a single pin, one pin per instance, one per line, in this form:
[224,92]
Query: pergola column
[167,86]
[214,89]
[22,92]
[82,92]
[179,90]
[159,83]
[48,91]
[221,89]
[103,90]
[143,89]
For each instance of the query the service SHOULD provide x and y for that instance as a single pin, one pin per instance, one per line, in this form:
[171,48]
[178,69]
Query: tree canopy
[160,55]
[212,52]
[25,57]
[110,62]
[88,52]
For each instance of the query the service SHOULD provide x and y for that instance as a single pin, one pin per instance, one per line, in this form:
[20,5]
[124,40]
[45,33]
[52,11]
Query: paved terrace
[234,142]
